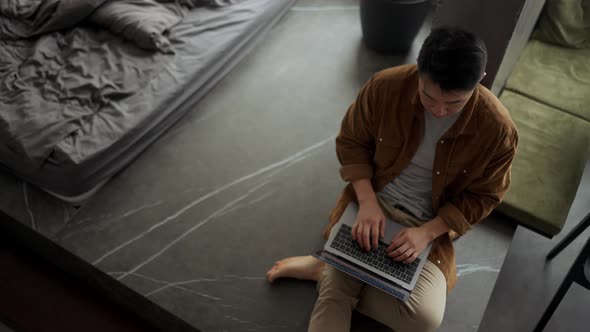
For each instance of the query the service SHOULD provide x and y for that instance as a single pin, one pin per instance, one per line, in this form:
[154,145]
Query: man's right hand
[369,225]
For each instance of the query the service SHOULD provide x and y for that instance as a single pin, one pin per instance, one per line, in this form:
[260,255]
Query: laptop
[374,267]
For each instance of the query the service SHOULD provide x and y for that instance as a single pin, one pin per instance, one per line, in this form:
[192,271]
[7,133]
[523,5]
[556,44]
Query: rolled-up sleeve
[484,194]
[355,142]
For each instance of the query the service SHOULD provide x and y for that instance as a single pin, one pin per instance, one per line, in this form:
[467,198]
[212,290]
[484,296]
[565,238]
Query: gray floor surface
[4,328]
[247,178]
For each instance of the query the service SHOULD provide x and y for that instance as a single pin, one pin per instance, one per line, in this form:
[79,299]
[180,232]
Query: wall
[495,21]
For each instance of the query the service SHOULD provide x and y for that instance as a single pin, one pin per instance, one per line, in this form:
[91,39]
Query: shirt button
[380,139]
[437,172]
[442,141]
[435,197]
[464,171]
[438,261]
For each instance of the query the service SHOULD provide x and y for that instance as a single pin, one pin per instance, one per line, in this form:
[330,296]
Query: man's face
[438,102]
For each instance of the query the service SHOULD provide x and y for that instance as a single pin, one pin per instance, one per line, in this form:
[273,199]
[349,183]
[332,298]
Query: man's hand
[408,244]
[369,225]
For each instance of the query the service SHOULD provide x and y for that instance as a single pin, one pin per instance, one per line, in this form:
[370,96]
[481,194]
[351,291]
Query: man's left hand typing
[409,243]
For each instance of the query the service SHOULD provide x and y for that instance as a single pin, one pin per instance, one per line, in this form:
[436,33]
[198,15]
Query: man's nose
[439,111]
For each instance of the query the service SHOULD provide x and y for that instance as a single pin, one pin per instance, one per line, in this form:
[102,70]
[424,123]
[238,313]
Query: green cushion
[565,23]
[556,76]
[552,152]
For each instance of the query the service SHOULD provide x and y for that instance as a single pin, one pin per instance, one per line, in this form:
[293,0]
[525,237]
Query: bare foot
[300,267]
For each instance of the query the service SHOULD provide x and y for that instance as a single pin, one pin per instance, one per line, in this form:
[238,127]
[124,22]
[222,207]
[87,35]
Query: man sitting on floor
[426,146]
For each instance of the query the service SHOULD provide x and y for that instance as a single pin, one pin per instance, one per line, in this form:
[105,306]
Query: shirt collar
[466,124]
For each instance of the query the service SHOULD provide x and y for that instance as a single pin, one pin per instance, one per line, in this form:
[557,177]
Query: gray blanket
[59,73]
[28,18]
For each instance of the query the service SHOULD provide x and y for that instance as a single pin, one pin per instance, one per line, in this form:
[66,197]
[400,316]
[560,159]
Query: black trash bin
[390,26]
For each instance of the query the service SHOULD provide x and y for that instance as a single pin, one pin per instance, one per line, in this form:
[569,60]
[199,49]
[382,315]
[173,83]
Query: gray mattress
[205,46]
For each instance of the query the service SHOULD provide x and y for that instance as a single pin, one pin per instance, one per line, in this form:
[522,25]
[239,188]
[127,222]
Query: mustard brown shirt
[382,130]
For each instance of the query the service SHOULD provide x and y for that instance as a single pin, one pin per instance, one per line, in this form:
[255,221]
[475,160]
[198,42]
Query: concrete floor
[245,179]
[4,328]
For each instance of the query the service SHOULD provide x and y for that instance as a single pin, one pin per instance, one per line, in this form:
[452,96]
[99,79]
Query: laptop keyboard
[376,258]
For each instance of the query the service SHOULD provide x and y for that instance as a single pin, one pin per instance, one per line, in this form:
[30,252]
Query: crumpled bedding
[28,18]
[143,22]
[62,70]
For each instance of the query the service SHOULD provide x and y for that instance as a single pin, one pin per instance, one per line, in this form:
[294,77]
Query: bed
[81,96]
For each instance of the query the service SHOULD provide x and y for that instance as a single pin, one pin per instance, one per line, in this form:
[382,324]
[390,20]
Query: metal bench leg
[563,288]
[570,237]
[575,274]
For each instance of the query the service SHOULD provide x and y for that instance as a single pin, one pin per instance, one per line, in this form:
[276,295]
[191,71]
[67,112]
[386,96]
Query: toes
[271,277]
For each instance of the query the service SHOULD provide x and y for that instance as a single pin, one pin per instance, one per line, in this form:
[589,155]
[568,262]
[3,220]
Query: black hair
[453,58]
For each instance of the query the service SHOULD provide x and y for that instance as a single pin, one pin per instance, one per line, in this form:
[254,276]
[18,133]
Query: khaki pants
[339,294]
